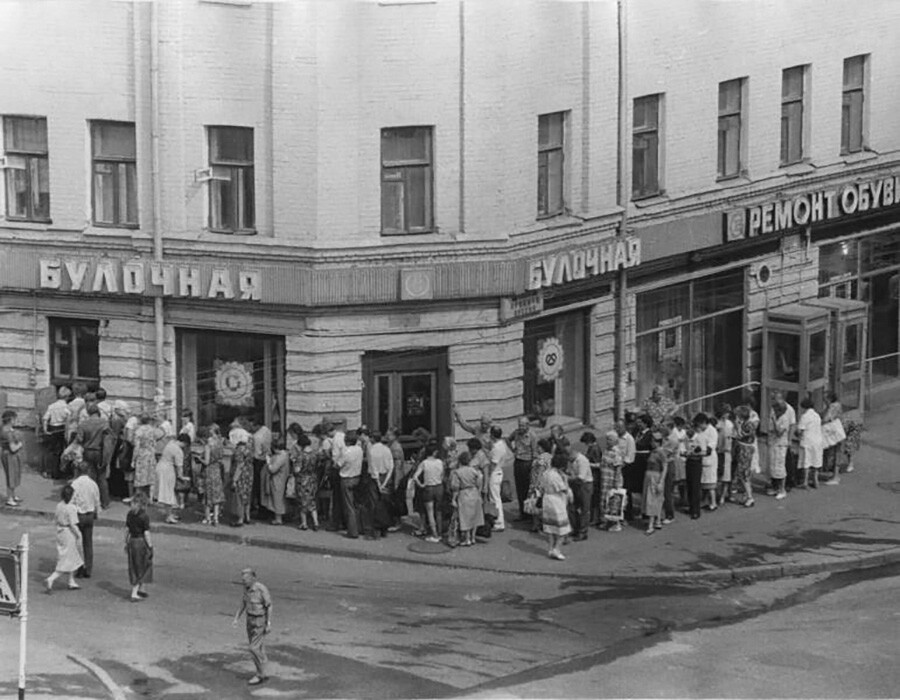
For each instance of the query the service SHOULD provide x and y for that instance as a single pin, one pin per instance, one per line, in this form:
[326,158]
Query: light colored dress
[653,484]
[214,473]
[12,461]
[466,484]
[274,495]
[143,459]
[811,443]
[556,496]
[169,466]
[68,558]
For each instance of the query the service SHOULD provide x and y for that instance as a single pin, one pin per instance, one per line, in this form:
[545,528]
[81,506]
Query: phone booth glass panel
[796,355]
[849,331]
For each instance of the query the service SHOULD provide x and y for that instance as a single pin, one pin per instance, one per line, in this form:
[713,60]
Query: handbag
[490,509]
[533,505]
[614,506]
[15,446]
[506,491]
[833,433]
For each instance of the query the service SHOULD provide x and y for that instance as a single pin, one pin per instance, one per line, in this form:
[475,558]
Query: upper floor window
[115,174]
[406,180]
[551,163]
[27,168]
[793,97]
[231,187]
[74,351]
[645,173]
[853,104]
[731,125]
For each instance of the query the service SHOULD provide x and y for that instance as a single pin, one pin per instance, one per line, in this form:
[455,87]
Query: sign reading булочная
[583,262]
[813,207]
[142,277]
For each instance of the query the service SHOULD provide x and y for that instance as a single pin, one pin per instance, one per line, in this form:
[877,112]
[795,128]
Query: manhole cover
[892,486]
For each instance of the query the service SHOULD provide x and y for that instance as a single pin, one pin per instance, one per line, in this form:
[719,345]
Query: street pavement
[846,526]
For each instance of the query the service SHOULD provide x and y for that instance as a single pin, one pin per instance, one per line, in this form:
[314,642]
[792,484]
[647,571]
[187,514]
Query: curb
[114,690]
[743,574]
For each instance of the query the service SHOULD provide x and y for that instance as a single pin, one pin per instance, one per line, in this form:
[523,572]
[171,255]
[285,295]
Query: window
[406,180]
[74,351]
[115,174]
[645,148]
[792,116]
[852,104]
[231,187]
[551,163]
[731,114]
[27,168]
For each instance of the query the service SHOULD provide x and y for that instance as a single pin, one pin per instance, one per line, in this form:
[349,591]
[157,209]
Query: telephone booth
[849,340]
[796,351]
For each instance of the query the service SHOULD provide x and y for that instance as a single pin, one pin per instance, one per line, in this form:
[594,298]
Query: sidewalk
[852,525]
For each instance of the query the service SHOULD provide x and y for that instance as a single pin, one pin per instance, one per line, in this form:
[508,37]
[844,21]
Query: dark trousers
[348,500]
[97,471]
[694,470]
[581,506]
[86,525]
[522,473]
[258,466]
[336,505]
[256,638]
[596,507]
[669,494]
[56,443]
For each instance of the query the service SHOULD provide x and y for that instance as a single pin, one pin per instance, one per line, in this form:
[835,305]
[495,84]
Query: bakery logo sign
[581,263]
[140,277]
[812,208]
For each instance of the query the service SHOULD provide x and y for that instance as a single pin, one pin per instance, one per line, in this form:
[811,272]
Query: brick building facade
[379,209]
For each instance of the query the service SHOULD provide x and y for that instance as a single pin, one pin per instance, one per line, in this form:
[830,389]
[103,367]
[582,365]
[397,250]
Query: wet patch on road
[80,685]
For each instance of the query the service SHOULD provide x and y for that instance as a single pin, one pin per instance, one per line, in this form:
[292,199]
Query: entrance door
[408,391]
[881,293]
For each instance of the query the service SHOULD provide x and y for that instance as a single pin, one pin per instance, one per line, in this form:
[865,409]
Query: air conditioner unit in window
[12,163]
[213,172]
[762,273]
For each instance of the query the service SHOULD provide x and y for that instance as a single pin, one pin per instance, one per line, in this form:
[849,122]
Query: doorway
[408,390]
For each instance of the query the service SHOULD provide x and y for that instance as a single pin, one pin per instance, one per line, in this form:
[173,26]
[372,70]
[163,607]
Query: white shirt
[811,425]
[57,413]
[351,461]
[130,426]
[262,442]
[189,430]
[709,438]
[105,408]
[500,454]
[626,444]
[338,447]
[381,461]
[86,498]
[782,425]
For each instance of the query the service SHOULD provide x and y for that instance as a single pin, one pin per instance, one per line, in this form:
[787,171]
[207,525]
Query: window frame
[846,118]
[646,133]
[399,171]
[544,154]
[785,158]
[32,159]
[724,116]
[239,171]
[117,162]
[70,326]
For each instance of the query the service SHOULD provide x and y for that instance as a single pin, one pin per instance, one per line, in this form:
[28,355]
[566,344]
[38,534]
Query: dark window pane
[718,293]
[104,193]
[221,205]
[550,130]
[646,112]
[792,83]
[854,72]
[730,97]
[247,203]
[129,207]
[837,261]
[406,144]
[418,198]
[114,140]
[555,181]
[231,144]
[662,305]
[392,206]
[415,403]
[26,134]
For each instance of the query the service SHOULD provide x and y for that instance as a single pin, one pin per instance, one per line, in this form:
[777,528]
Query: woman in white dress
[169,469]
[556,496]
[68,537]
[812,444]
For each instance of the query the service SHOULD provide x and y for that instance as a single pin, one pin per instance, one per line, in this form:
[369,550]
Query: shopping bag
[614,506]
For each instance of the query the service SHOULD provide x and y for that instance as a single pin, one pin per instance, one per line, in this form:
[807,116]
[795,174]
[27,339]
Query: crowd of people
[649,465]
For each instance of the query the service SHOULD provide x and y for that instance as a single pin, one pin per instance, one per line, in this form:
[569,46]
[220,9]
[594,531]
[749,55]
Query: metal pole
[622,198]
[23,610]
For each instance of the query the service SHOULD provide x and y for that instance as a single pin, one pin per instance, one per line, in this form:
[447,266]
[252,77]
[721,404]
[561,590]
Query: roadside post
[14,595]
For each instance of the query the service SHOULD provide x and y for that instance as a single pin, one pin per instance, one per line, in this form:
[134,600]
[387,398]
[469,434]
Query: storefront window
[690,341]
[556,368]
[224,376]
[74,352]
[817,355]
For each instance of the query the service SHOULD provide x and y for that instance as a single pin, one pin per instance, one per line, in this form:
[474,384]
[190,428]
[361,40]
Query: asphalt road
[348,628]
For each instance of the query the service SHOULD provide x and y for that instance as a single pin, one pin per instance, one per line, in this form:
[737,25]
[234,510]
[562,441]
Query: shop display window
[74,352]
[223,376]
[690,340]
[556,377]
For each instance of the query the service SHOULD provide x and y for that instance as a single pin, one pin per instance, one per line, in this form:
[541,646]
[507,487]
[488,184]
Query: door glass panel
[850,394]
[383,402]
[784,357]
[416,402]
[882,294]
[817,359]
[852,336]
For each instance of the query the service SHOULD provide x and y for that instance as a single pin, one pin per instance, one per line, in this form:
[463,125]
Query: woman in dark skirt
[138,547]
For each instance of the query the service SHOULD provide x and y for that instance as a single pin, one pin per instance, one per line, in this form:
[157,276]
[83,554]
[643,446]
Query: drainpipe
[158,310]
[623,173]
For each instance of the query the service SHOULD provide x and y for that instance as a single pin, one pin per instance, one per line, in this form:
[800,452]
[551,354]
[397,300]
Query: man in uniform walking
[257,604]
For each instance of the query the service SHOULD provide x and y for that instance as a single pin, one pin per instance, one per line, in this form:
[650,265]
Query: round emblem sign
[234,384]
[550,359]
